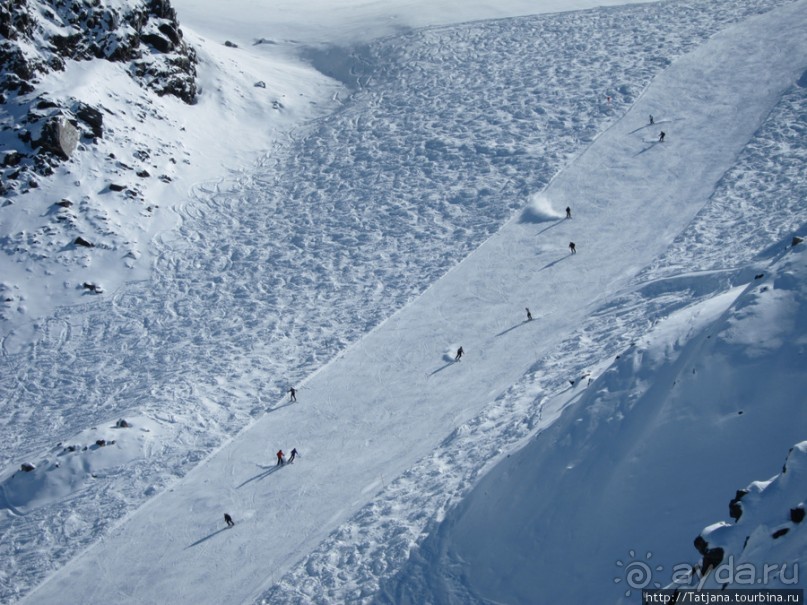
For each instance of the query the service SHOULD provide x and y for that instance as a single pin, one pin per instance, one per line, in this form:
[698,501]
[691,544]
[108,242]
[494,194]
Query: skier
[652,121]
[568,212]
[572,248]
[529,315]
[293,455]
[661,136]
[459,354]
[228,520]
[280,460]
[293,394]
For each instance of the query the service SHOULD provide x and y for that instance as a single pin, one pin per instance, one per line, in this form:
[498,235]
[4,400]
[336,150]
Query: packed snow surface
[408,199]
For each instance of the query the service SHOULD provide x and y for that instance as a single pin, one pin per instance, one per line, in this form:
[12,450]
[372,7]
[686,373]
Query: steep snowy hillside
[641,459]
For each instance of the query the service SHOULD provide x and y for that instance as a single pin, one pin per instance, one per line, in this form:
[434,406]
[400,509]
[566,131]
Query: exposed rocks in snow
[58,136]
[92,117]
[27,467]
[712,557]
[40,36]
[12,158]
[94,288]
[763,534]
[735,507]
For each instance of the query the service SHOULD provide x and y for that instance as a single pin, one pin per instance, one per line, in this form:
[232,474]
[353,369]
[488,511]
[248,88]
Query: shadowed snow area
[425,213]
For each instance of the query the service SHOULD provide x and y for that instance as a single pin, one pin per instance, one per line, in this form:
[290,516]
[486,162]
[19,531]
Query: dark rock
[27,467]
[94,288]
[59,136]
[229,44]
[100,442]
[170,32]
[66,46]
[92,117]
[162,9]
[796,240]
[80,241]
[122,424]
[711,559]
[64,203]
[779,533]
[797,514]
[701,545]
[37,41]
[159,42]
[12,158]
[143,174]
[759,276]
[260,84]
[735,508]
[46,103]
[116,187]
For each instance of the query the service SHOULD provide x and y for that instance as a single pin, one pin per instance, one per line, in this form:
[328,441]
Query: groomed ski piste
[424,211]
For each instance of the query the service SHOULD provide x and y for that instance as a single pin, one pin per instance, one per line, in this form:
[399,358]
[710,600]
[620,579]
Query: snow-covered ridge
[767,543]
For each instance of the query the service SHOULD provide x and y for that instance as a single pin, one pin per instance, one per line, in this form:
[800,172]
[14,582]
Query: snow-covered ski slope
[381,407]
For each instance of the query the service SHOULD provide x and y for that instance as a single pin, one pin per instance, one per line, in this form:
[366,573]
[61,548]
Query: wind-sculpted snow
[280,267]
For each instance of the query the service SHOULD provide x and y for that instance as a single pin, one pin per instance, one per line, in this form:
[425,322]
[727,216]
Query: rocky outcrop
[59,137]
[40,35]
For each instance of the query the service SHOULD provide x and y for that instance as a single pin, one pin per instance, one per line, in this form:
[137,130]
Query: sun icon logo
[637,574]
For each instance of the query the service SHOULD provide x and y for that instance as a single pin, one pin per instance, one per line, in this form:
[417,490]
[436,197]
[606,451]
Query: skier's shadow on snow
[511,328]
[280,407]
[268,470]
[648,148]
[450,361]
[206,538]
[653,125]
[552,226]
[554,262]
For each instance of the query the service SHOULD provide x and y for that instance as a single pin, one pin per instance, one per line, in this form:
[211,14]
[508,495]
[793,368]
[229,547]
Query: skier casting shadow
[513,327]
[449,360]
[268,470]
